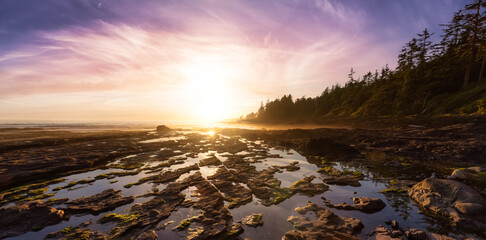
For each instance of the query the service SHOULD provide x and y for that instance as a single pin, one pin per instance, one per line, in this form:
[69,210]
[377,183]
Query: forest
[443,78]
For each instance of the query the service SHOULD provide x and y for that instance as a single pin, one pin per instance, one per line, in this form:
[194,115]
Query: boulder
[253,220]
[363,204]
[452,199]
[162,129]
[368,205]
[476,169]
[459,174]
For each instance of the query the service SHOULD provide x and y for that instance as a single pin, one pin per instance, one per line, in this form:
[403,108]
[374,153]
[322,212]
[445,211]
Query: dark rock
[162,129]
[416,234]
[292,167]
[327,147]
[76,233]
[327,226]
[342,180]
[46,158]
[164,202]
[383,233]
[236,229]
[105,201]
[233,192]
[187,203]
[293,235]
[211,161]
[267,188]
[151,235]
[19,219]
[164,225]
[394,224]
[453,199]
[459,174]
[215,219]
[154,213]
[364,204]
[168,176]
[305,186]
[368,205]
[476,169]
[253,220]
[393,164]
[397,233]
[435,236]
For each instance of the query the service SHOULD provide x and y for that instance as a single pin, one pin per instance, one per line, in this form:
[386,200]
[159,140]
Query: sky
[191,61]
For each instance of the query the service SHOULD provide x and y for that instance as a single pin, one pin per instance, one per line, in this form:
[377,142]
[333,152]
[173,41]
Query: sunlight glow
[211,133]
[208,87]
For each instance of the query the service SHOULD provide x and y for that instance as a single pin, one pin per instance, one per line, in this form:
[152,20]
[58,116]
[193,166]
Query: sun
[209,89]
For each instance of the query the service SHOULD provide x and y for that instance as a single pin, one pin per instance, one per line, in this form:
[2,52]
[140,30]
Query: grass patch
[393,190]
[101,176]
[140,181]
[73,233]
[282,194]
[120,218]
[37,197]
[183,224]
[37,192]
[16,193]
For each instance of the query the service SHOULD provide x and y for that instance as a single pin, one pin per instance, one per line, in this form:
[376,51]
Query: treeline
[447,77]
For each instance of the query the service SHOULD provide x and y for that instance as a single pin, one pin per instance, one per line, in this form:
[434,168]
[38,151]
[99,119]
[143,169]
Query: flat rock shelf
[200,185]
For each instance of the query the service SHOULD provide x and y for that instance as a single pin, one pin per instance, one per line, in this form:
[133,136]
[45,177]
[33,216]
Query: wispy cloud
[125,55]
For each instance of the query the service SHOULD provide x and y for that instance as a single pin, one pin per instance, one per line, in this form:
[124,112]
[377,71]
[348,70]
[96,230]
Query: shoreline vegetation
[431,79]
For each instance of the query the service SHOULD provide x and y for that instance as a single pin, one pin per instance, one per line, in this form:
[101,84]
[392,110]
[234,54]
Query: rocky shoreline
[448,186]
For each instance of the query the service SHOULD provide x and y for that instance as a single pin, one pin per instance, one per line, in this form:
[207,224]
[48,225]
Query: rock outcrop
[105,201]
[162,129]
[452,199]
[327,226]
[19,219]
[305,186]
[253,220]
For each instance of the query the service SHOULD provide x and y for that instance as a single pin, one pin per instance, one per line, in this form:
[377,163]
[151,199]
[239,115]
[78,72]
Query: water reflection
[399,206]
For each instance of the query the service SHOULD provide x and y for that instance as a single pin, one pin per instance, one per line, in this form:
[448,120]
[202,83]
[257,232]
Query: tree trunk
[483,65]
[473,45]
[468,71]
